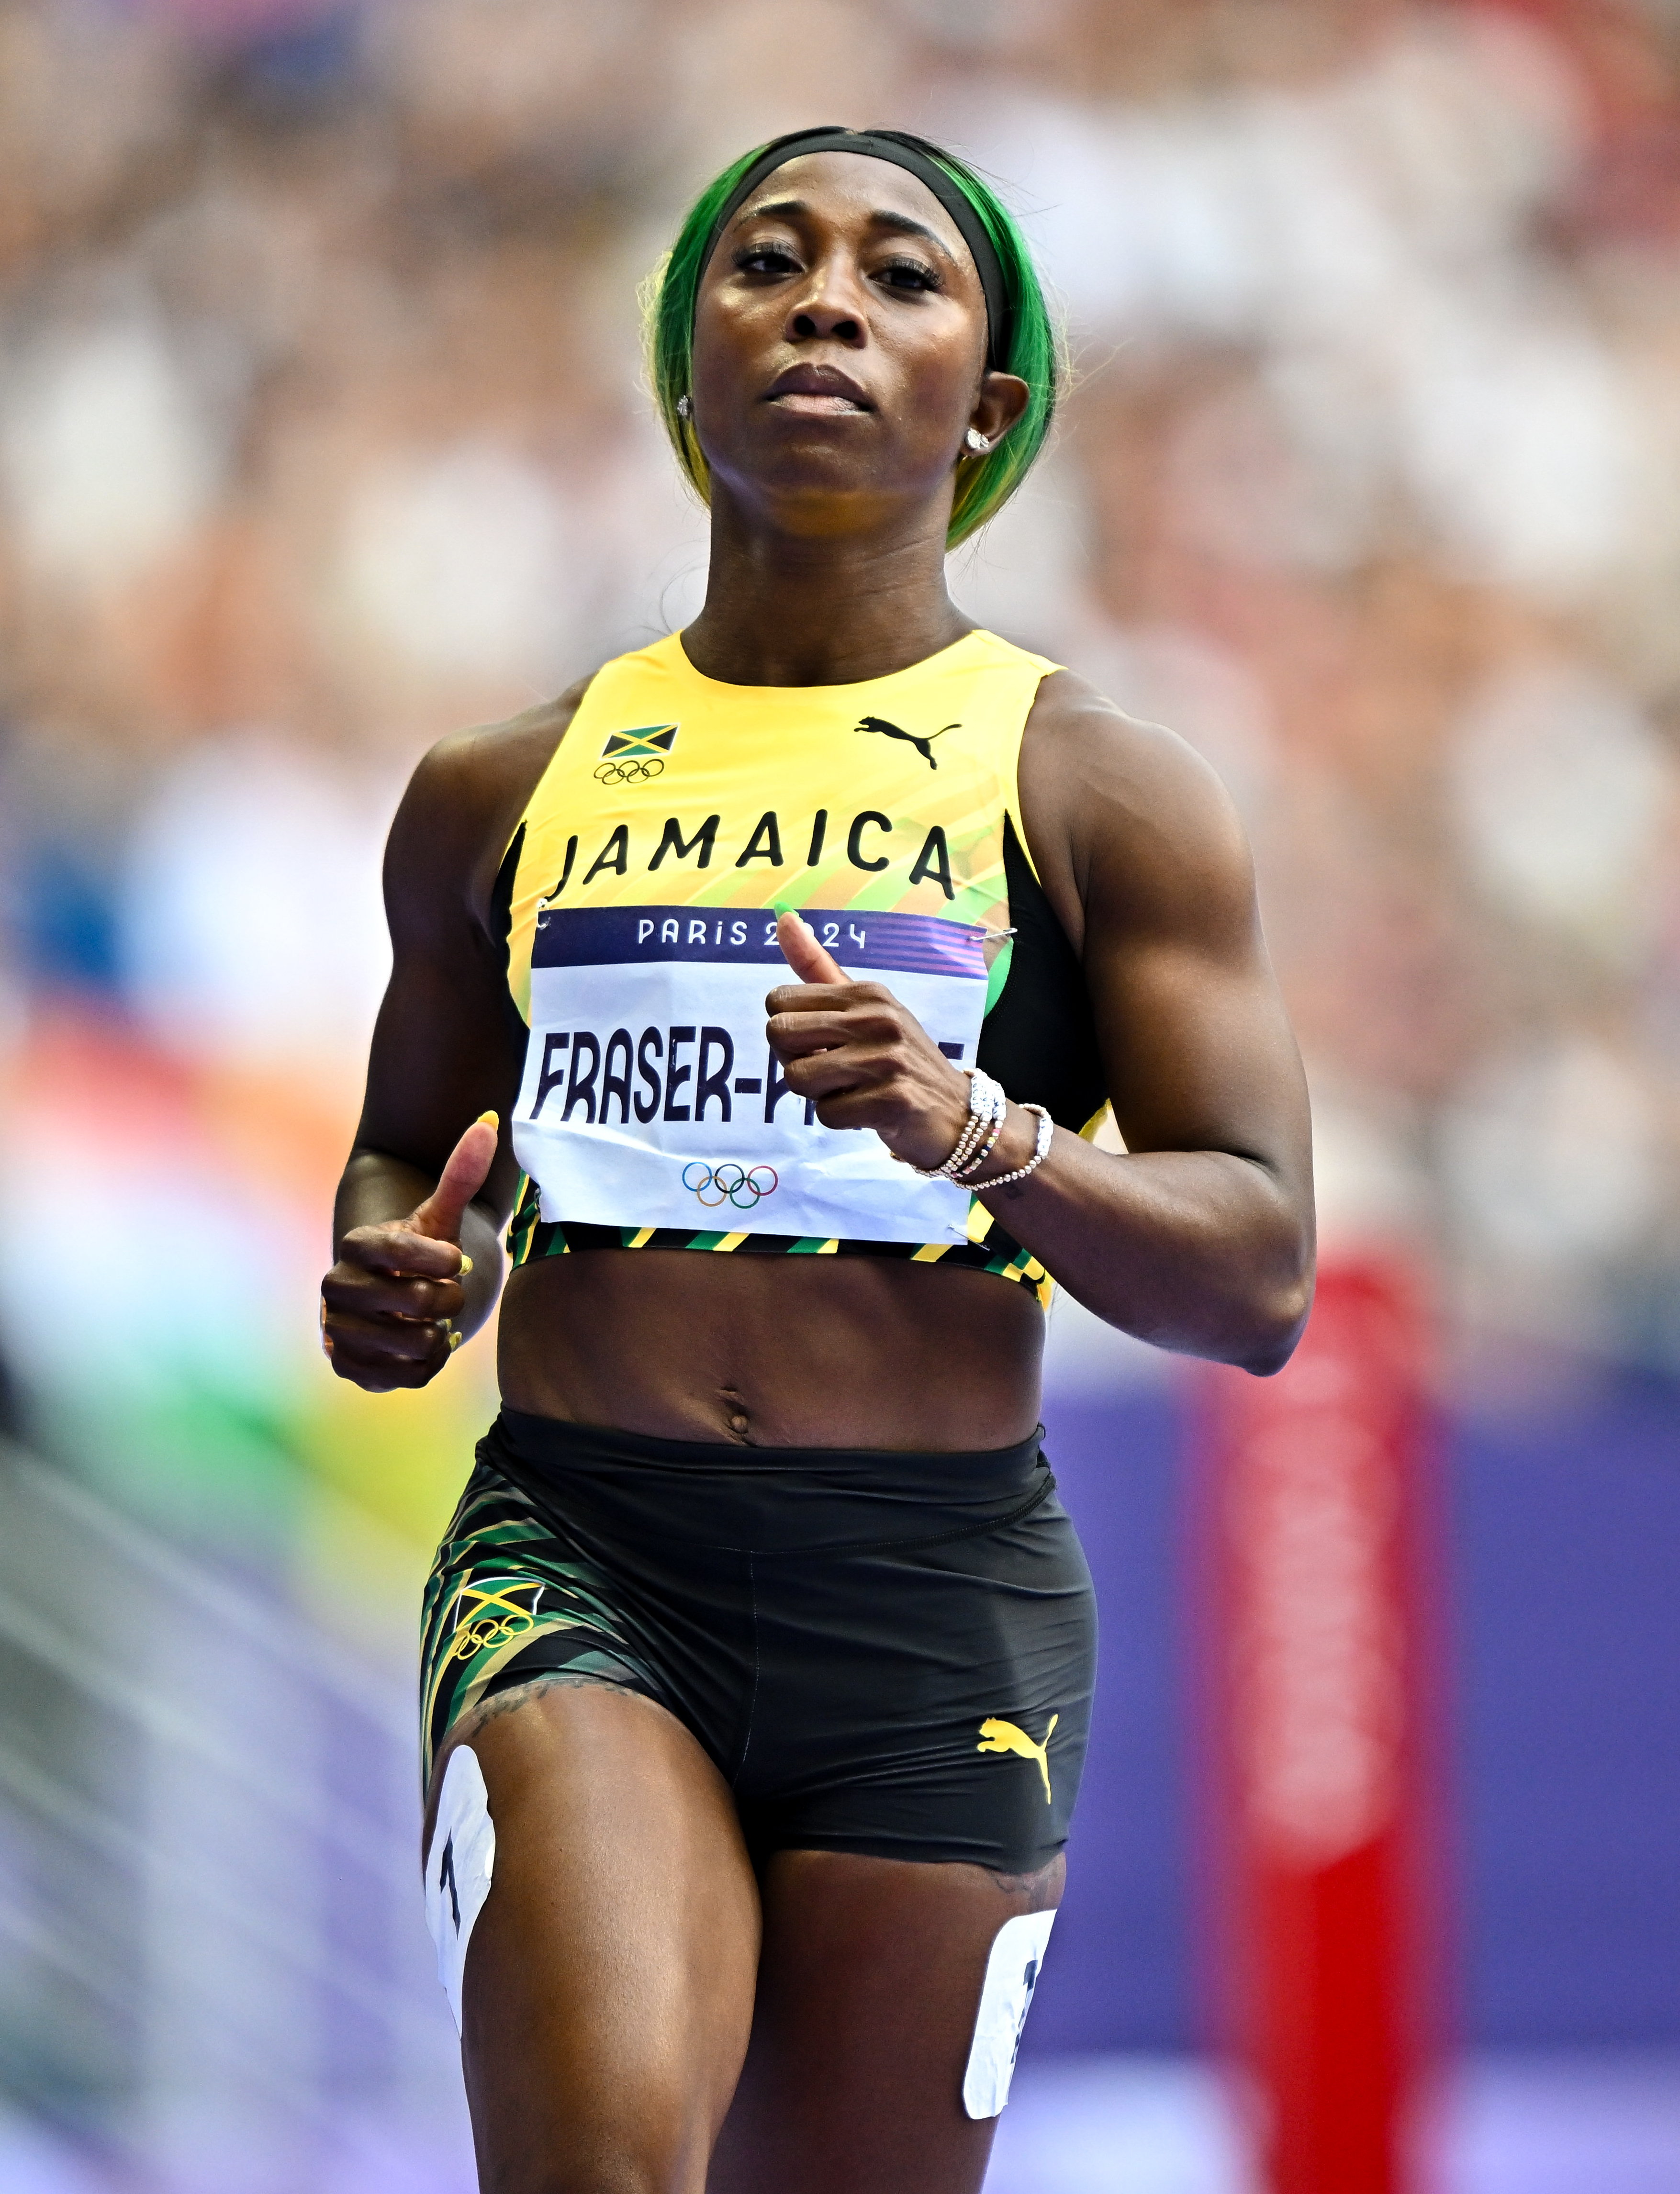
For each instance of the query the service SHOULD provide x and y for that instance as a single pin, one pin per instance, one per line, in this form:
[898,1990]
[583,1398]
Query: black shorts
[882,1652]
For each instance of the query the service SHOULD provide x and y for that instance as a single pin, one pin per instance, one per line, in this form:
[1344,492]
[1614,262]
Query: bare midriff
[774,1351]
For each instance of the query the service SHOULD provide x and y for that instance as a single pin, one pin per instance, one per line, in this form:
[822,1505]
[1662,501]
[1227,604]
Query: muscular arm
[1200,1238]
[447,1047]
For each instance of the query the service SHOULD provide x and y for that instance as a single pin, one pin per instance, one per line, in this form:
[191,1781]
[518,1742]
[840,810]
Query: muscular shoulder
[462,805]
[1125,819]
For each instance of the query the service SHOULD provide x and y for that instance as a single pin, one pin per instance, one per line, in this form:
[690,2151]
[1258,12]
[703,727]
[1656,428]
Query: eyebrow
[901,224]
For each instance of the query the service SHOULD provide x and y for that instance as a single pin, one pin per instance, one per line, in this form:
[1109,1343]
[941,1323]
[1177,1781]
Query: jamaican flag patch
[648,739]
[630,756]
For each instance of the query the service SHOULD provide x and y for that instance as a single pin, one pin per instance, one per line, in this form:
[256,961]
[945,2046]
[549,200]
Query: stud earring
[684,408]
[976,441]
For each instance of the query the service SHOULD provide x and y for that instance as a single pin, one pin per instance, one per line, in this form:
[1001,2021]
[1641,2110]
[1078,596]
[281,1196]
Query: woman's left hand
[864,1059]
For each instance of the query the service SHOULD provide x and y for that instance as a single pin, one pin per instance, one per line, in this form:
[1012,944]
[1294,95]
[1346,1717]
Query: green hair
[984,484]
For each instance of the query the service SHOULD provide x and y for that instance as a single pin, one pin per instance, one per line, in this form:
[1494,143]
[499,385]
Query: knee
[609,2175]
[608,2166]
[609,2178]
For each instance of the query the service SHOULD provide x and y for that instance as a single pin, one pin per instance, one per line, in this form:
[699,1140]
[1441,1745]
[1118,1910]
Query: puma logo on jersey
[924,747]
[997,1736]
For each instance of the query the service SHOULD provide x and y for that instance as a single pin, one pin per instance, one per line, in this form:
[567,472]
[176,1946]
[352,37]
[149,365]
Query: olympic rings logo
[487,1633]
[632,771]
[743,1187]
[495,1620]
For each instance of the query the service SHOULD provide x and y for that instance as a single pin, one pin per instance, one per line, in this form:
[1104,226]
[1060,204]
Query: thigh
[609,1981]
[869,1983]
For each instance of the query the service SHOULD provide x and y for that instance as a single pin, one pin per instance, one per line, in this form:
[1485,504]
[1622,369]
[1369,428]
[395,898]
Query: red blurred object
[1318,1501]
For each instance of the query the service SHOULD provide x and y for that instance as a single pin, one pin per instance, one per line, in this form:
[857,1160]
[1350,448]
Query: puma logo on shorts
[997,1736]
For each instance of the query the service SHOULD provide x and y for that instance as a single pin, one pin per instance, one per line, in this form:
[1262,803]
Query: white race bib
[1012,1970]
[458,1867]
[652,1099]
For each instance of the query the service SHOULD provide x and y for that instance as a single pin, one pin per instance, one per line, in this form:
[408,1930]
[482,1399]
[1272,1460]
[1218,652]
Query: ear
[1002,398]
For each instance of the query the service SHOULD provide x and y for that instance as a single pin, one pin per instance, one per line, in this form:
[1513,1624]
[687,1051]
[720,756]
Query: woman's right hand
[390,1304]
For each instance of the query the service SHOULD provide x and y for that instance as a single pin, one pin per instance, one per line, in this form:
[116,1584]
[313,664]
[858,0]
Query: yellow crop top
[677,817]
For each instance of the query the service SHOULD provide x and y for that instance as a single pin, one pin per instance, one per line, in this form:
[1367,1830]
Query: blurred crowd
[323,429]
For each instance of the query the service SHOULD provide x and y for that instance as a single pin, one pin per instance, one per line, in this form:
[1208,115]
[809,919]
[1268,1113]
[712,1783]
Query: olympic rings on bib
[743,1187]
[630,772]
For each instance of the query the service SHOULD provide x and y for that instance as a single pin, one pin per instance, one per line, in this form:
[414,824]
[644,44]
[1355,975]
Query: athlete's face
[840,346]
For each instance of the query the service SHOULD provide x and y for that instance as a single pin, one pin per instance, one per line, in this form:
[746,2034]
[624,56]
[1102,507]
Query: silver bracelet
[1040,1153]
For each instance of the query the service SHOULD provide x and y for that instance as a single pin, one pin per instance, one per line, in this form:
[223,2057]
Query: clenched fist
[387,1306]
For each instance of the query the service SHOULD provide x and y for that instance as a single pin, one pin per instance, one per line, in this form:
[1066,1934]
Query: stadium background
[322,431]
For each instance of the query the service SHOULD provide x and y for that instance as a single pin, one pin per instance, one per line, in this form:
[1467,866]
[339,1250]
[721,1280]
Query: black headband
[906,152]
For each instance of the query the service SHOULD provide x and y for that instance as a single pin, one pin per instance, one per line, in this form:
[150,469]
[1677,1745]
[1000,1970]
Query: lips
[817,389]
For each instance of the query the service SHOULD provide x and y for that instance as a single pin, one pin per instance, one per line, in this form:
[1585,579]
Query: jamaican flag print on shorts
[508,1599]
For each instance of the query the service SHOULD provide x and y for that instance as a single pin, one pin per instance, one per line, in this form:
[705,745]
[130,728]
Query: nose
[828,309]
[817,321]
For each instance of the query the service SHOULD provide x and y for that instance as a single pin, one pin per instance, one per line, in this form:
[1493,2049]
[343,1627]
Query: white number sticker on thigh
[458,1867]
[1011,1975]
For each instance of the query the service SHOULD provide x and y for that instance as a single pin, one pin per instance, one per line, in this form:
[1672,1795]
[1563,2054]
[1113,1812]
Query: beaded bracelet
[1040,1153]
[984,1107]
[987,1105]
[964,1174]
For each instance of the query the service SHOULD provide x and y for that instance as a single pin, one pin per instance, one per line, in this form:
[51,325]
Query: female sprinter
[758,1657]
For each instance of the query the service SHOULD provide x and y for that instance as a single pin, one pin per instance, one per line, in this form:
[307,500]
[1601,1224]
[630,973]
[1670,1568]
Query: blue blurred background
[323,431]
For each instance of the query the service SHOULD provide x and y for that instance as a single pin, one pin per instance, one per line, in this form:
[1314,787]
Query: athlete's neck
[787,609]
